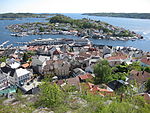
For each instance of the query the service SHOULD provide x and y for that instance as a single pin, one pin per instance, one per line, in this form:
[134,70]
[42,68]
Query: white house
[20,77]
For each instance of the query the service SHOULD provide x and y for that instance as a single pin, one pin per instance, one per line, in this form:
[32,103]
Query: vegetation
[80,23]
[89,24]
[41,29]
[124,15]
[3,59]
[147,69]
[61,101]
[23,15]
[102,72]
[148,85]
[7,18]
[50,96]
[25,57]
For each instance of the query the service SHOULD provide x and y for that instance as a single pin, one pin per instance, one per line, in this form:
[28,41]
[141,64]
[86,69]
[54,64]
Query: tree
[147,69]
[102,72]
[135,66]
[3,59]
[148,84]
[25,57]
[50,95]
[41,29]
[121,68]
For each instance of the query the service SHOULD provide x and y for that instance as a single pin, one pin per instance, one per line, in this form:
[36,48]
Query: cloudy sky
[74,6]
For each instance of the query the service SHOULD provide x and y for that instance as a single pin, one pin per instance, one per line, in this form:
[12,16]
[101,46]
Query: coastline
[121,15]
[89,29]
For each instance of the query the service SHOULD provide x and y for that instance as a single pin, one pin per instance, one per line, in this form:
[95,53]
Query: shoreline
[64,25]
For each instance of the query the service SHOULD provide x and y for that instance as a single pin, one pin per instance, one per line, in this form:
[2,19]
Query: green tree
[148,84]
[41,29]
[50,95]
[25,57]
[102,72]
[147,69]
[121,68]
[3,59]
[135,66]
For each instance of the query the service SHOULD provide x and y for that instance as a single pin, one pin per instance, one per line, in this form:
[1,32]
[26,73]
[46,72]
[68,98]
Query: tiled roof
[86,55]
[146,61]
[60,82]
[92,49]
[32,48]
[117,57]
[86,76]
[25,65]
[94,89]
[57,52]
[73,81]
[139,76]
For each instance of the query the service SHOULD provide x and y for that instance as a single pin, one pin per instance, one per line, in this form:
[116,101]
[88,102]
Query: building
[3,81]
[139,76]
[56,67]
[145,61]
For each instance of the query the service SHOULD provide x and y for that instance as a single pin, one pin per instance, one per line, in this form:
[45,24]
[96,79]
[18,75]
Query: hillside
[123,15]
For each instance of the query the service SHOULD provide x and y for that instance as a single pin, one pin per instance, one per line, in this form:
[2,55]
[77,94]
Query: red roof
[146,61]
[86,76]
[32,48]
[57,52]
[94,88]
[117,57]
[92,49]
[25,65]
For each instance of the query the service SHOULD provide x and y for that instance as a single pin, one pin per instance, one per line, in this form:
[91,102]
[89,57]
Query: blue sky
[74,6]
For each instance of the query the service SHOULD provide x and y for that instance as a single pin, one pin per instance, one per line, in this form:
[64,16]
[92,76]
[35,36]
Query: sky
[74,6]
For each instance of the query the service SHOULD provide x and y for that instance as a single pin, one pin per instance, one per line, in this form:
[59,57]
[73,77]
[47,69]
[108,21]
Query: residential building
[145,61]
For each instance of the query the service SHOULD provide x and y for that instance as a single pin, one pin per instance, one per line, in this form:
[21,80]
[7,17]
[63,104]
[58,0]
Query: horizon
[78,6]
[73,13]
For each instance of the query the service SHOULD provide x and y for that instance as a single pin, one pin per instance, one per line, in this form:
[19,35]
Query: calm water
[141,26]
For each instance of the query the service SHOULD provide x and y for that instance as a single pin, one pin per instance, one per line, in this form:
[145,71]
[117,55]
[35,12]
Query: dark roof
[8,52]
[8,70]
[114,85]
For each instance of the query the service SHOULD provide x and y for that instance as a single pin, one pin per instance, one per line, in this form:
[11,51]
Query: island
[61,24]
[13,16]
[123,15]
[7,18]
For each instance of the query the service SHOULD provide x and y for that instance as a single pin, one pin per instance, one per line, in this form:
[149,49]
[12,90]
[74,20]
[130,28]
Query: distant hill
[123,15]
[24,15]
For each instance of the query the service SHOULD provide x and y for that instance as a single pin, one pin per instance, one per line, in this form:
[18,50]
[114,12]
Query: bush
[50,95]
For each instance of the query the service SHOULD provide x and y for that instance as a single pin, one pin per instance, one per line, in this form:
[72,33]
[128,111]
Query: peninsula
[123,15]
[61,24]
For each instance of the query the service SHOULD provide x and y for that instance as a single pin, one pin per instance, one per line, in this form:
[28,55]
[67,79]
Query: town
[74,66]
[64,25]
